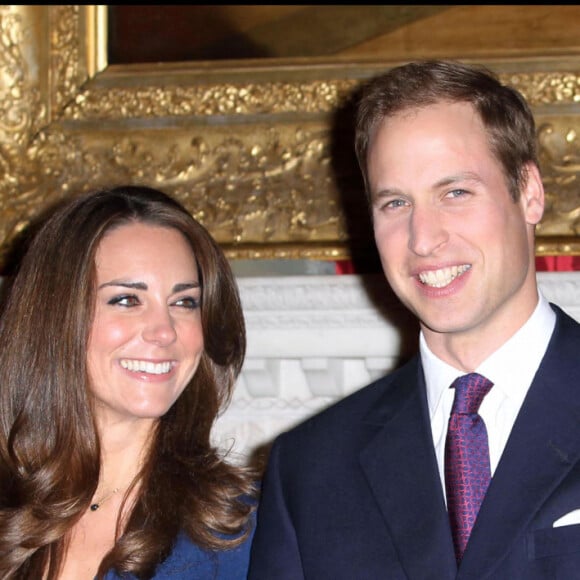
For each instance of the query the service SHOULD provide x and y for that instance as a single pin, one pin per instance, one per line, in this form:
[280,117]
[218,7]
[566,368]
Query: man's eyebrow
[388,192]
[443,182]
[466,176]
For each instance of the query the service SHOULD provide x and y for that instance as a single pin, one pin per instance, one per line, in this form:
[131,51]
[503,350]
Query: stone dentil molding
[314,339]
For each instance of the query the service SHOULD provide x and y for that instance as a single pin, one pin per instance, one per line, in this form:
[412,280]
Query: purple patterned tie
[467,471]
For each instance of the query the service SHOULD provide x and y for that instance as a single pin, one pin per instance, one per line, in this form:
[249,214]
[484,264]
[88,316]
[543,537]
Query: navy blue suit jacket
[355,493]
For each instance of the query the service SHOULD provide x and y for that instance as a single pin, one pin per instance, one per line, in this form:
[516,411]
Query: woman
[121,340]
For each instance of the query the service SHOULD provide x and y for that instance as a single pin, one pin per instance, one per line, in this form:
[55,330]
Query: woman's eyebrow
[133,285]
[186,286]
[180,287]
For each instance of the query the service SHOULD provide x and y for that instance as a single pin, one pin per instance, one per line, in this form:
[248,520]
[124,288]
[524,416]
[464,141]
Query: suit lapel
[543,446]
[401,468]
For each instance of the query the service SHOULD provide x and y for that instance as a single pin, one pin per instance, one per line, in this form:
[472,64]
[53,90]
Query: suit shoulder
[564,318]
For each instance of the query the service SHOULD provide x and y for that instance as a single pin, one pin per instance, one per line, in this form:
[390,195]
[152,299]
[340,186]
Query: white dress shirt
[511,369]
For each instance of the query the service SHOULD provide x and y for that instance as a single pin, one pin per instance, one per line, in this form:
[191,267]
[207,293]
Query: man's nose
[427,231]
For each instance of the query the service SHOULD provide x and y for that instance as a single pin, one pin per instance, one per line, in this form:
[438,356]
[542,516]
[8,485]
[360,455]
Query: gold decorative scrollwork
[275,98]
[560,154]
[255,157]
[22,114]
[220,99]
[547,88]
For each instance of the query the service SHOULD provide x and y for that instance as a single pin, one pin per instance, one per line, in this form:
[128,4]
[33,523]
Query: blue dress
[187,561]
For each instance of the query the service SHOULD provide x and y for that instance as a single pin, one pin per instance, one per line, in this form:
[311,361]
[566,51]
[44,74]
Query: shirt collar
[524,351]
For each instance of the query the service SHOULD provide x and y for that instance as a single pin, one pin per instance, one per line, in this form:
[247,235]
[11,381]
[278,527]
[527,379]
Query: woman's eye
[188,302]
[127,300]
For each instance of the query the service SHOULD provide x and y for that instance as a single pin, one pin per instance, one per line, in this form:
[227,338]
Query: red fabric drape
[543,264]
[557,263]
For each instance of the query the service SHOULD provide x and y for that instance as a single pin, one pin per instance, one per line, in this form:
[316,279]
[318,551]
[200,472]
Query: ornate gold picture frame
[259,152]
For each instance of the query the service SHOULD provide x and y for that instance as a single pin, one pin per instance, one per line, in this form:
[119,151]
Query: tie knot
[470,390]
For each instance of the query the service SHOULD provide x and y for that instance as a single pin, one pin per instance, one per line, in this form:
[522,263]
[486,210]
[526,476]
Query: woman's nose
[159,327]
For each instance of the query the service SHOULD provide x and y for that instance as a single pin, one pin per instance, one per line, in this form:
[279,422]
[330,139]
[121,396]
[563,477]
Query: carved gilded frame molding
[248,148]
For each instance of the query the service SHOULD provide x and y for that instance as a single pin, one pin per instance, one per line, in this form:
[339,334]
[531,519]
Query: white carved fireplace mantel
[314,339]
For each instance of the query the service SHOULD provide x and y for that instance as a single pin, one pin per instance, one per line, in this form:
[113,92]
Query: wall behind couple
[259,148]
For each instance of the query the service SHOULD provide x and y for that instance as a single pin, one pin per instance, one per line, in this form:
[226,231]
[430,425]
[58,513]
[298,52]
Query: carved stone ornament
[312,340]
[261,154]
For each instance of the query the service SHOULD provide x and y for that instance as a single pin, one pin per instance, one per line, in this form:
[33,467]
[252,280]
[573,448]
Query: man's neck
[467,349]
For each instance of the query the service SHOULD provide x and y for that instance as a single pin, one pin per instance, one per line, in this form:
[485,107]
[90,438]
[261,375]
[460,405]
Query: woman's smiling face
[146,338]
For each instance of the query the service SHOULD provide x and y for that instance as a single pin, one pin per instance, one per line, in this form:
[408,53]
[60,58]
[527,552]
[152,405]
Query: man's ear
[532,195]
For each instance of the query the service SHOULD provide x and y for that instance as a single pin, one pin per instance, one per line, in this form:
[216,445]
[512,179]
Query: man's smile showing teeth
[143,366]
[443,277]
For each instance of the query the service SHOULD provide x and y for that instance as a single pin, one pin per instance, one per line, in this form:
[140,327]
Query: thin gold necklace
[95,506]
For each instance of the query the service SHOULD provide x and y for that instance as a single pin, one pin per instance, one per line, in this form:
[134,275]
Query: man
[398,480]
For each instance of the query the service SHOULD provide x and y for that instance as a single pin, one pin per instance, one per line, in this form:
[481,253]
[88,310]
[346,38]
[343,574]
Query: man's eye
[457,193]
[127,300]
[394,204]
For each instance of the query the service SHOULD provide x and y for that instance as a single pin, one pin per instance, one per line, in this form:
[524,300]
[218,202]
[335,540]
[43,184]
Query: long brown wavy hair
[49,444]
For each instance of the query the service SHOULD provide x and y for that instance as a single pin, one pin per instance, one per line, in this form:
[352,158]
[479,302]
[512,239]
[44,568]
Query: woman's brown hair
[49,445]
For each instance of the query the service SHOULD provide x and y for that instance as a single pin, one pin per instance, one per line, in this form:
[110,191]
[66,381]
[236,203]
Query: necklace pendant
[95,506]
